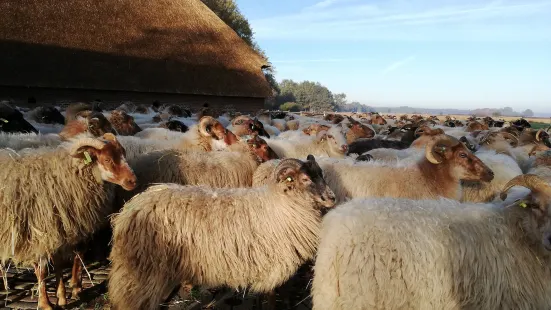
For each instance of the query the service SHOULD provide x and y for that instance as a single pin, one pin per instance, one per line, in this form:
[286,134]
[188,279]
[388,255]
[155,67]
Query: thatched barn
[173,51]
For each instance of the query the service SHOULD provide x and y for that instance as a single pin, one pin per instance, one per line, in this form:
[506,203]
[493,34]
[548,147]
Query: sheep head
[124,123]
[304,180]
[260,148]
[462,163]
[538,225]
[211,128]
[97,124]
[109,156]
[335,140]
[241,125]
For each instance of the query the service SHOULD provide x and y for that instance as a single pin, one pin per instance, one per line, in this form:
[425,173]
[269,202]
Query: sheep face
[537,222]
[214,130]
[175,125]
[109,156]
[357,131]
[261,149]
[241,125]
[462,164]
[124,123]
[299,178]
[377,119]
[98,125]
[335,140]
[51,115]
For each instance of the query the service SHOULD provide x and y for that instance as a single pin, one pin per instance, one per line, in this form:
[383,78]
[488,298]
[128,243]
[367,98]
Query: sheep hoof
[61,301]
[75,293]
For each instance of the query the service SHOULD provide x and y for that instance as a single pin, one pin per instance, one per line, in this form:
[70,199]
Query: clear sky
[422,53]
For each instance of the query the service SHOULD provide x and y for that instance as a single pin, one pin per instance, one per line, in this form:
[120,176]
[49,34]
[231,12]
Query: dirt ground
[22,293]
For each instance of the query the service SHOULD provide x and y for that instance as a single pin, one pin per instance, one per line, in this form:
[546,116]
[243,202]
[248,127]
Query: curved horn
[95,143]
[287,163]
[538,134]
[434,157]
[530,181]
[507,135]
[204,124]
[110,137]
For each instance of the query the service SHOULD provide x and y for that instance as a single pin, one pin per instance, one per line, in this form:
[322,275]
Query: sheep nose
[130,183]
[344,147]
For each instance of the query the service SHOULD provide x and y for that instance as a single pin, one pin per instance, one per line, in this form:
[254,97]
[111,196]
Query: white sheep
[18,141]
[330,143]
[437,254]
[241,238]
[438,173]
[505,169]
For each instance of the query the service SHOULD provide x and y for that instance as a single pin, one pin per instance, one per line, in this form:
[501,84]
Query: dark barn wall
[111,99]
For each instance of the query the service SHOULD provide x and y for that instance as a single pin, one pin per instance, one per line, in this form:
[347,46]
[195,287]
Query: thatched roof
[166,46]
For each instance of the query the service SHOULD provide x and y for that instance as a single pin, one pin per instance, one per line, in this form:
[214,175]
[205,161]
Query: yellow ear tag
[523,204]
[289,179]
[87,158]
[3,120]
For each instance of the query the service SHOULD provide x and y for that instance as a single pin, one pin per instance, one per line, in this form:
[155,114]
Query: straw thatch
[161,46]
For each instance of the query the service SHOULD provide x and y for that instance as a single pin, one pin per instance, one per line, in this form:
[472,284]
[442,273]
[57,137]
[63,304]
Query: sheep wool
[429,254]
[173,234]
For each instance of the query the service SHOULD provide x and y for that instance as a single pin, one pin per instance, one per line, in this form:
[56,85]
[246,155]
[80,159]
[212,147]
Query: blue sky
[423,53]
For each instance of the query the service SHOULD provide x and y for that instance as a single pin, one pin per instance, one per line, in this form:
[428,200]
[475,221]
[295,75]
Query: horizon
[419,53]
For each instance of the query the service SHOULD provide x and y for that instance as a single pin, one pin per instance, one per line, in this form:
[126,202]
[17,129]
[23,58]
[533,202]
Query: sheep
[357,130]
[207,135]
[46,115]
[123,123]
[93,124]
[437,254]
[393,155]
[53,200]
[232,168]
[474,125]
[175,125]
[158,133]
[327,143]
[438,173]
[293,124]
[542,166]
[12,121]
[362,146]
[505,169]
[166,235]
[18,141]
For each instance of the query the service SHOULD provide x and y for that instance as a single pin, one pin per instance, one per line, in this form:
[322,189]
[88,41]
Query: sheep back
[401,254]
[240,238]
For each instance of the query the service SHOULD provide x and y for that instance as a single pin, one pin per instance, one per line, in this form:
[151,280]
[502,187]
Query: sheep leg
[76,276]
[43,300]
[271,300]
[60,293]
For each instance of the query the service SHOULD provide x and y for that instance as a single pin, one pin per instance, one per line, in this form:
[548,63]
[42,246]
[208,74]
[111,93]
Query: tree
[290,106]
[527,113]
[496,114]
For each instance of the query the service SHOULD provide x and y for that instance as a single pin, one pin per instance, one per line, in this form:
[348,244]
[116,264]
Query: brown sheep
[54,199]
[124,123]
[94,124]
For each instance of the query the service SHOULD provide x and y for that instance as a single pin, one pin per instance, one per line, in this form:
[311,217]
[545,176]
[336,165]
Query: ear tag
[289,179]
[87,158]
[3,120]
[523,204]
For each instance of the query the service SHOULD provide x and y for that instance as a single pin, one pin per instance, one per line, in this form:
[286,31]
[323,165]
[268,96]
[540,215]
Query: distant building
[175,51]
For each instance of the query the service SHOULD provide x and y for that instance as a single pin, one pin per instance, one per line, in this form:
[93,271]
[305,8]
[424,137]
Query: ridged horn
[434,157]
[510,136]
[530,181]
[95,143]
[285,164]
[110,137]
[538,135]
[204,124]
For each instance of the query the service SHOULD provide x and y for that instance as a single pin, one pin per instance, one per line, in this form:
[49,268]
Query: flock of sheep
[393,213]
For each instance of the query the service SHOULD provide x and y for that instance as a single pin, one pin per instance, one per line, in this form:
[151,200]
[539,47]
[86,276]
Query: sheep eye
[289,179]
[463,155]
[330,136]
